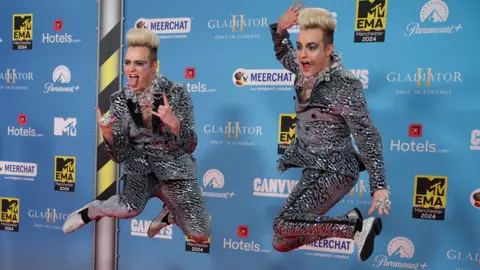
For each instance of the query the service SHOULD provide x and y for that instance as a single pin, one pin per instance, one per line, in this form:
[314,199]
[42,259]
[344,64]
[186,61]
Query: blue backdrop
[47,89]
[419,36]
[418,68]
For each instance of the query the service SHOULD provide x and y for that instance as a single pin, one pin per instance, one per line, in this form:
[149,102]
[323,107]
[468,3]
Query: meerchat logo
[430,197]
[261,79]
[166,28]
[370,21]
[192,246]
[22,31]
[10,215]
[286,131]
[65,171]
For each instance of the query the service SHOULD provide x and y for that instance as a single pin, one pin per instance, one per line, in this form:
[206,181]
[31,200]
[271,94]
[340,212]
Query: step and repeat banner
[47,131]
[417,60]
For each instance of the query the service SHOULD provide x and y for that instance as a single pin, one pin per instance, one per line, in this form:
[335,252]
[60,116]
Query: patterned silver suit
[325,123]
[156,164]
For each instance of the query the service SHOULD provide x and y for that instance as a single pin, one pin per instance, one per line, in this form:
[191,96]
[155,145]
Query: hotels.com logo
[415,131]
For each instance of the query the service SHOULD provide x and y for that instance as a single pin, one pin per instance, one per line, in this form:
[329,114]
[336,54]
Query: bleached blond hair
[310,18]
[143,37]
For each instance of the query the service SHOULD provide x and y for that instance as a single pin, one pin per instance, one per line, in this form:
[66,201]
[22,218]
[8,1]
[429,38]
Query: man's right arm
[284,50]
[121,147]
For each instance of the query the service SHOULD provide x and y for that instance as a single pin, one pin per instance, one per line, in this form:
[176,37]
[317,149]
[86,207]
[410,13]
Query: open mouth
[306,65]
[133,80]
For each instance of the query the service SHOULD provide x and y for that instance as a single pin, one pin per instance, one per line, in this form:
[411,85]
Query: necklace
[143,99]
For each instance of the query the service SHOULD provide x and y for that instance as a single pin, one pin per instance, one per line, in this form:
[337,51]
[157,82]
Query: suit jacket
[325,124]
[155,150]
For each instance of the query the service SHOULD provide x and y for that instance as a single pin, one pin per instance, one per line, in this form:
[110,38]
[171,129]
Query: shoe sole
[369,244]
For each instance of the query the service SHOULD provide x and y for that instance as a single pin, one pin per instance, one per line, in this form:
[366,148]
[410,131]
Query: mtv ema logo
[213,179]
[400,254]
[167,28]
[67,127]
[140,227]
[430,197]
[192,246]
[61,81]
[264,79]
[286,131]
[433,16]
[65,172]
[10,214]
[370,21]
[22,31]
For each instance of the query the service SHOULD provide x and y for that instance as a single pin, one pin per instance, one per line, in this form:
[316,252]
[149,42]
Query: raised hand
[289,18]
[105,126]
[167,116]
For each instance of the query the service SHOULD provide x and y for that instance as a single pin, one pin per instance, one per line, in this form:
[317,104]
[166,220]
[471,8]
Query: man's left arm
[355,111]
[184,111]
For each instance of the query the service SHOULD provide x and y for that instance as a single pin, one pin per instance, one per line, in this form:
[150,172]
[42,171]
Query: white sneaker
[74,220]
[365,239]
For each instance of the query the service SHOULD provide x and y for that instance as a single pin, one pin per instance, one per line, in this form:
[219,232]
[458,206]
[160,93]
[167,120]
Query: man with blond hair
[151,130]
[331,108]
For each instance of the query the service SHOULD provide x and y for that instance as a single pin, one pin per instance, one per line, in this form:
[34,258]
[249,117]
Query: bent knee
[200,237]
[279,245]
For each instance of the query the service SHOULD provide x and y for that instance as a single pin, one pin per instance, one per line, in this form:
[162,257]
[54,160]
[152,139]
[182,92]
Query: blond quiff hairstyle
[142,37]
[310,18]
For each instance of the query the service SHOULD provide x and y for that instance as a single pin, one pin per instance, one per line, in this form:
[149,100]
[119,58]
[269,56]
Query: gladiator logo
[233,132]
[286,131]
[10,214]
[22,35]
[11,76]
[65,170]
[430,197]
[370,21]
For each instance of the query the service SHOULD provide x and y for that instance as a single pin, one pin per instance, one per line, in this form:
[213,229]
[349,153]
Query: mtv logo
[67,127]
